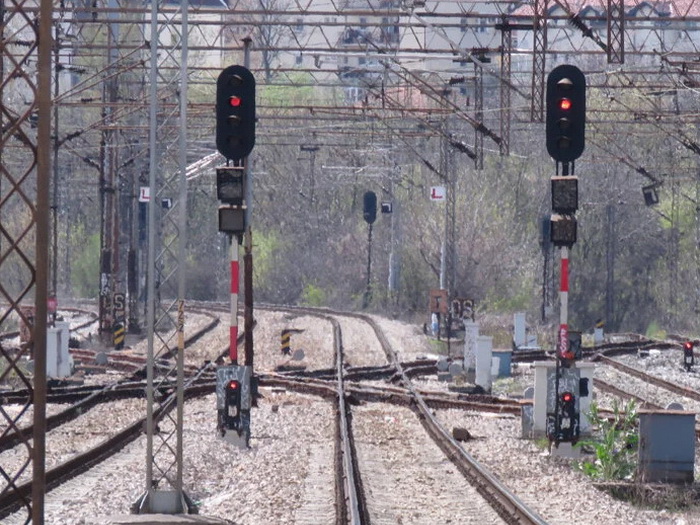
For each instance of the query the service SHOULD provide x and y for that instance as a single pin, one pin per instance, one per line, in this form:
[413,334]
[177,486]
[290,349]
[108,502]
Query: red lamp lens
[235,101]
[565,104]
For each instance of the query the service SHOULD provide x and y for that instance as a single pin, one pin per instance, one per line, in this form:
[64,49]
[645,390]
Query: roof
[633,8]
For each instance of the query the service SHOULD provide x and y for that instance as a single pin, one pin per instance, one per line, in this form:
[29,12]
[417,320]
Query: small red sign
[52,304]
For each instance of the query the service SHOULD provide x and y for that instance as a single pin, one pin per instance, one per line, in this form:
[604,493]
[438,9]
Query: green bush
[654,331]
[313,295]
[614,443]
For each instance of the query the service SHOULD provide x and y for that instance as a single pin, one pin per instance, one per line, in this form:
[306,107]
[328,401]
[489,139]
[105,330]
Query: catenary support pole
[43,178]
[248,248]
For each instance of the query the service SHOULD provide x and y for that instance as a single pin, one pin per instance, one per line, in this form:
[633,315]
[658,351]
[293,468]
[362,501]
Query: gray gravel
[286,476]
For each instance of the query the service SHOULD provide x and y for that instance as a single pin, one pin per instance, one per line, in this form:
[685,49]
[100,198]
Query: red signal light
[567,397]
[233,385]
[235,101]
[688,345]
[565,104]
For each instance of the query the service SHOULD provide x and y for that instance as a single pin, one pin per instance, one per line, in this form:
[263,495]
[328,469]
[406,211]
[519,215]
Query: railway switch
[566,113]
[235,112]
[688,355]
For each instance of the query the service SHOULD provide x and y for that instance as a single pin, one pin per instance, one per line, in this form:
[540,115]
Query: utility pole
[248,248]
[610,249]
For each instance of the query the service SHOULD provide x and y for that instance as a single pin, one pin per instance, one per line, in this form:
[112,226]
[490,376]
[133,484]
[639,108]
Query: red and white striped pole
[233,349]
[564,352]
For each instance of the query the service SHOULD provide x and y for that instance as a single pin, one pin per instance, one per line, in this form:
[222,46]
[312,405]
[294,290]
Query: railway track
[347,383]
[91,319]
[506,504]
[13,494]
[690,393]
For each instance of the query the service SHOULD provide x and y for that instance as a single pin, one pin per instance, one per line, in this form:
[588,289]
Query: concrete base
[462,389]
[526,420]
[444,376]
[565,450]
[241,440]
[154,519]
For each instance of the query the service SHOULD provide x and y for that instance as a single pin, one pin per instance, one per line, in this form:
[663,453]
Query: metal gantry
[25,93]
[167,212]
[122,75]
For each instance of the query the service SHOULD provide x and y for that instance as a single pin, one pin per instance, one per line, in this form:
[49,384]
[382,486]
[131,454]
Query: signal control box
[233,402]
[561,405]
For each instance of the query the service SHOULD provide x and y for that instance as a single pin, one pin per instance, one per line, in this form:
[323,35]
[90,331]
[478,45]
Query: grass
[654,496]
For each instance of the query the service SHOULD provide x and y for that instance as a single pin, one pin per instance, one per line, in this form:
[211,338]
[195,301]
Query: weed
[614,443]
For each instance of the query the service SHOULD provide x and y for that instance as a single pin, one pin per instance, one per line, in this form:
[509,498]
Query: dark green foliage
[614,443]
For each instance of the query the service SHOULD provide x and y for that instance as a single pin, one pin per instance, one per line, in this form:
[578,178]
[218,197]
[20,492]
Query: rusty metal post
[248,252]
[43,97]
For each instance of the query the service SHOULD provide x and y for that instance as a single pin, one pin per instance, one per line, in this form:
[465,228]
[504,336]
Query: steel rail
[10,501]
[657,381]
[81,326]
[351,506]
[351,493]
[644,403]
[502,500]
[117,390]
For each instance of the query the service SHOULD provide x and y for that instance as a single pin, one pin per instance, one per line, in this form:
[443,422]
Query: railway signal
[568,430]
[566,113]
[369,212]
[235,112]
[565,140]
[688,355]
[233,402]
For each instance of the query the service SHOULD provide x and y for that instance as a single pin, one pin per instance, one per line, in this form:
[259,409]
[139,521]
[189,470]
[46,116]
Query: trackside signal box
[233,403]
[551,404]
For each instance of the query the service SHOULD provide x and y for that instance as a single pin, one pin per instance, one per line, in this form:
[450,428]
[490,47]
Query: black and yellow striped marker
[119,333]
[286,340]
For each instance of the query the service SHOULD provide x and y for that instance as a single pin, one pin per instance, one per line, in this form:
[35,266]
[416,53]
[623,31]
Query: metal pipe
[182,251]
[233,349]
